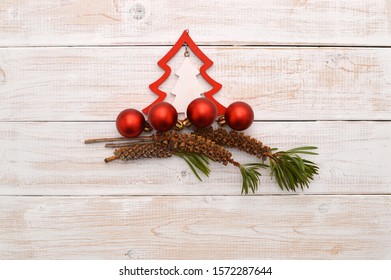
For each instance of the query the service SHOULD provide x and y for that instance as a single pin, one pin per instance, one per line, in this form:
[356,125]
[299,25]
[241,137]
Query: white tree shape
[187,87]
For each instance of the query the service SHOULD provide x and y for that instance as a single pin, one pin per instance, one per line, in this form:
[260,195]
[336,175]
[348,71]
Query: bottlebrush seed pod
[194,143]
[150,150]
[234,139]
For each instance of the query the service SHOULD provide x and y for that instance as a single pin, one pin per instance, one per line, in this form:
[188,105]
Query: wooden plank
[81,22]
[268,227]
[281,83]
[49,159]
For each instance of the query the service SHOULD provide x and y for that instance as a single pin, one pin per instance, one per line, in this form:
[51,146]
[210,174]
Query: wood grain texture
[59,200]
[72,84]
[49,159]
[80,22]
[268,227]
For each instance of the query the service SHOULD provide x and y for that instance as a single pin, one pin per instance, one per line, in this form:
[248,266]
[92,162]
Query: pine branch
[251,176]
[291,170]
[196,162]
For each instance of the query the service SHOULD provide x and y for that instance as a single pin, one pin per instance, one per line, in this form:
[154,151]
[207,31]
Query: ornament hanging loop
[186,54]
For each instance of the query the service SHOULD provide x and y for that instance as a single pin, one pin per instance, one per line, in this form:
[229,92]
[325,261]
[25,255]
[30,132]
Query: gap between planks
[200,45]
[202,195]
[255,121]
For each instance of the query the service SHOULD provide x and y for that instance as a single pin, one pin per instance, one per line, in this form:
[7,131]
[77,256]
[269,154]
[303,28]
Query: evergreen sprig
[250,175]
[291,170]
[196,162]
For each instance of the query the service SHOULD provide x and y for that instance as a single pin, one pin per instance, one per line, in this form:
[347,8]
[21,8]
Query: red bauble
[239,116]
[162,116]
[201,112]
[130,123]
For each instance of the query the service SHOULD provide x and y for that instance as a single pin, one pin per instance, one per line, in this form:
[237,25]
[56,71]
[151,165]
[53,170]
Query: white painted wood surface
[74,84]
[224,227]
[63,78]
[232,22]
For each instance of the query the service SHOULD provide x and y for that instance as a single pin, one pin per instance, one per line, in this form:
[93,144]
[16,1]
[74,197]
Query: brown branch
[126,144]
[111,158]
[117,139]
[237,164]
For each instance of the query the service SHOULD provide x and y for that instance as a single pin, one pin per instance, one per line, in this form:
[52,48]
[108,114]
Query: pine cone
[195,144]
[150,150]
[234,139]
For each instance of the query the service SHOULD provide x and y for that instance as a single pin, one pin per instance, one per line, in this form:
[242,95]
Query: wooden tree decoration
[207,63]
[187,87]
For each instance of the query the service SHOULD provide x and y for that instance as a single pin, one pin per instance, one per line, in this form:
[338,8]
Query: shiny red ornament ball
[130,123]
[239,116]
[201,112]
[162,116]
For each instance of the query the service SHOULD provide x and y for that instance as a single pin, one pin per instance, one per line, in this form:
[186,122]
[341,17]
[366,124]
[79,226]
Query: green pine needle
[291,170]
[196,162]
[251,176]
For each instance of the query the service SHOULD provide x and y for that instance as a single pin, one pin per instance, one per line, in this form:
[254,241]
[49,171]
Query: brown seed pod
[192,143]
[137,151]
[234,139]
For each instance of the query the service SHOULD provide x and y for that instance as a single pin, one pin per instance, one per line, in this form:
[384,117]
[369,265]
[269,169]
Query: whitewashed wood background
[316,72]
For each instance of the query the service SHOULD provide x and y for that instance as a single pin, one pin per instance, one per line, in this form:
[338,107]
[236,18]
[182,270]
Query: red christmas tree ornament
[239,116]
[207,63]
[202,112]
[130,123]
[162,116]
